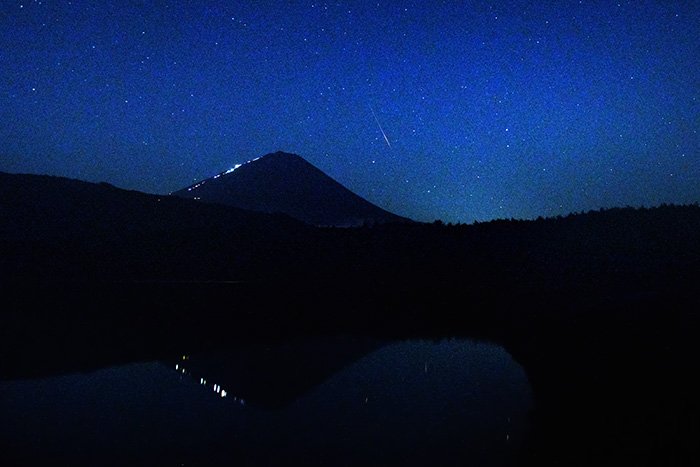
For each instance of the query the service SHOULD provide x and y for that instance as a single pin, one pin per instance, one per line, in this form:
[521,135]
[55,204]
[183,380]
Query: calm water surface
[452,402]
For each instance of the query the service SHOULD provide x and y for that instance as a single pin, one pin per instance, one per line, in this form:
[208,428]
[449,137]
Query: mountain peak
[287,183]
[282,154]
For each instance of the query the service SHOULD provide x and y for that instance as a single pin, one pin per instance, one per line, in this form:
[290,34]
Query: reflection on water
[406,403]
[180,368]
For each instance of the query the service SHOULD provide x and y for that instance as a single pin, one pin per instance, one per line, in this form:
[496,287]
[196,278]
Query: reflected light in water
[203,382]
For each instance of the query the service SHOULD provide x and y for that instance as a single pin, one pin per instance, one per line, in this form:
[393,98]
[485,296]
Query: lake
[339,401]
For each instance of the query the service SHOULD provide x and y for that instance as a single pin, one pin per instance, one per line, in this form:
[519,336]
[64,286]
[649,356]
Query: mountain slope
[286,183]
[58,228]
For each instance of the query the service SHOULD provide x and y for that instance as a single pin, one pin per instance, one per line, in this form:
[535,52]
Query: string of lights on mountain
[455,110]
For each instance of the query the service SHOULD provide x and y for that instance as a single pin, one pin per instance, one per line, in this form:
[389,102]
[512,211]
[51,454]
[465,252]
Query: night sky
[490,109]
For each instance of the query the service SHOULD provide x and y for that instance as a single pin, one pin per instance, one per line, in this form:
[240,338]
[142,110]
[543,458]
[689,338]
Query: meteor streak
[380,126]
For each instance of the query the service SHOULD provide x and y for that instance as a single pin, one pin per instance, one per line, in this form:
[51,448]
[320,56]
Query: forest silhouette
[600,307]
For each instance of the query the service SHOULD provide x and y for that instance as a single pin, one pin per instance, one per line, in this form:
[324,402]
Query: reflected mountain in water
[272,375]
[405,403]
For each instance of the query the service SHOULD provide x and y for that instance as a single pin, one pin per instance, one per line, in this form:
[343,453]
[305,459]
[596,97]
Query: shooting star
[380,127]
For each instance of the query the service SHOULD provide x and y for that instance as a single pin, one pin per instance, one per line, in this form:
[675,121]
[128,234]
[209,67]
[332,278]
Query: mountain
[286,183]
[600,308]
[59,228]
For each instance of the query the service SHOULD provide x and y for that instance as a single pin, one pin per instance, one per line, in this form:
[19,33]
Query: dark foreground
[612,380]
[601,309]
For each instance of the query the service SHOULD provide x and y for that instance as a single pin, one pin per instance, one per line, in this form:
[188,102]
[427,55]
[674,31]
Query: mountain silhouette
[285,183]
[59,228]
[600,308]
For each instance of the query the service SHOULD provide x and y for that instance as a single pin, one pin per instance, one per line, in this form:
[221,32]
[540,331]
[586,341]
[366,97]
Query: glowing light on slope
[235,167]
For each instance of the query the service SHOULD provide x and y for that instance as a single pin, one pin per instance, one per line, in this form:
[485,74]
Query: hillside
[286,183]
[63,229]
